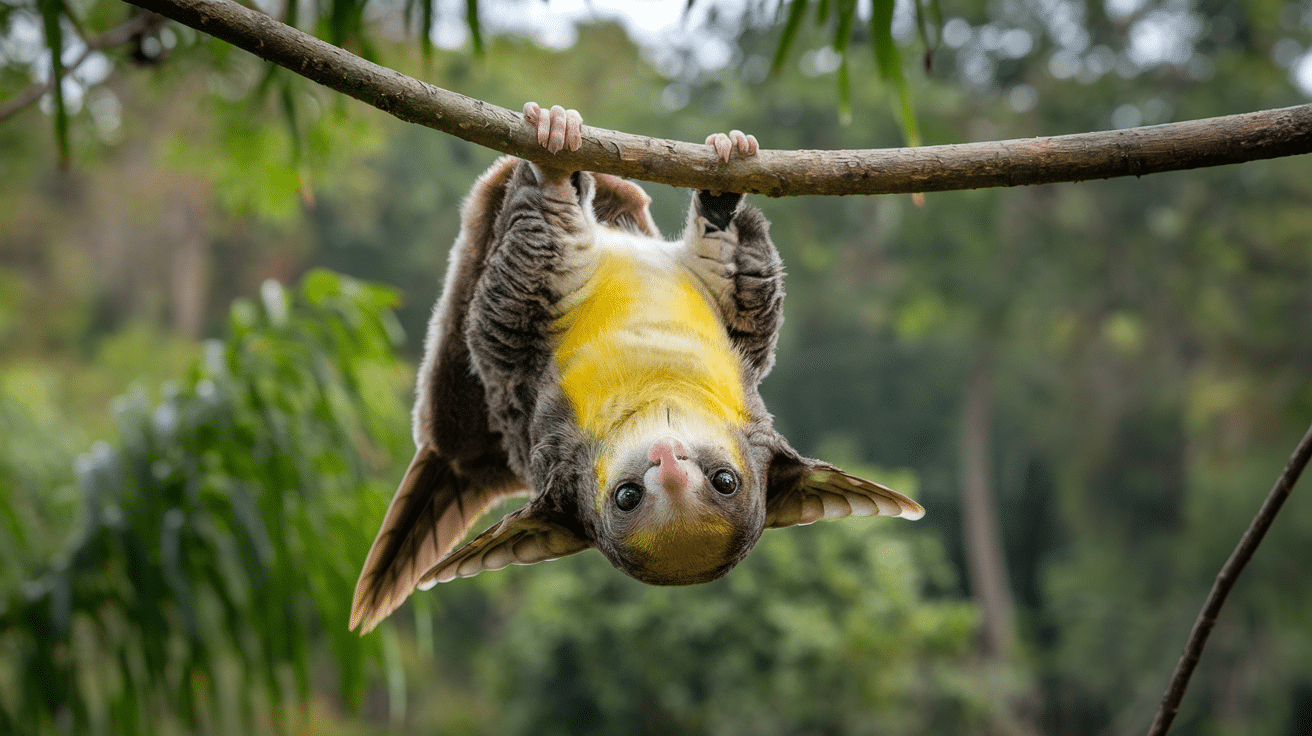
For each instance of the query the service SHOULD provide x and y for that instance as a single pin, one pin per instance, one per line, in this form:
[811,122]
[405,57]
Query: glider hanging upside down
[577,356]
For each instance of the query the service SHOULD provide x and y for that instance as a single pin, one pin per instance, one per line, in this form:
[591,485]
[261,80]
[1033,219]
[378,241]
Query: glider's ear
[523,537]
[801,491]
[623,204]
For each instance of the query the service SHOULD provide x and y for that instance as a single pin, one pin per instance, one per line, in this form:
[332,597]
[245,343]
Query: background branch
[123,33]
[1225,580]
[1134,151]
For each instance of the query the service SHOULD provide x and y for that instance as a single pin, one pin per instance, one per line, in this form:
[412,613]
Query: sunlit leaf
[889,62]
[907,110]
[887,58]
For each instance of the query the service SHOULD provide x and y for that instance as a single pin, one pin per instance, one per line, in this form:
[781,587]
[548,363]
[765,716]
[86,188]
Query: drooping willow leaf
[796,13]
[52,11]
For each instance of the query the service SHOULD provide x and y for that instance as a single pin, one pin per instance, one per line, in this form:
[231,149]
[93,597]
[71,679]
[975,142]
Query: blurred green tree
[218,536]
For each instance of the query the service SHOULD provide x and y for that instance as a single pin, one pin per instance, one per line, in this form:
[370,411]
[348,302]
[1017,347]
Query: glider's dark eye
[725,481]
[628,496]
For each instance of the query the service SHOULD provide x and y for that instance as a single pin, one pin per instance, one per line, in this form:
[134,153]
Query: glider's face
[678,510]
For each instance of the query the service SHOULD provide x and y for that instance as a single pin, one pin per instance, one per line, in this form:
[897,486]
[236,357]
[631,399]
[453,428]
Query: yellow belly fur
[642,336]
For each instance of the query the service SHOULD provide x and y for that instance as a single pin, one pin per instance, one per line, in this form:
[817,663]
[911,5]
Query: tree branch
[1136,151]
[117,36]
[1225,580]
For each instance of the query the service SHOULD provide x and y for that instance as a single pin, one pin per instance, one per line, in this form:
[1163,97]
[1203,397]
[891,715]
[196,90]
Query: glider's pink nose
[671,457]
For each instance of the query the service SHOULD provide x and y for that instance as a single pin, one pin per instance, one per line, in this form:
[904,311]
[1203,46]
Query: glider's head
[678,510]
[669,506]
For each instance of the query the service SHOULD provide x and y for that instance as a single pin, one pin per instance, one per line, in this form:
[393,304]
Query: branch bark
[1131,152]
[1225,580]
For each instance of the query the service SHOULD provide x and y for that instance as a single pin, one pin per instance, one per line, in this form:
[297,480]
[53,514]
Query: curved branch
[116,36]
[1132,152]
[1225,580]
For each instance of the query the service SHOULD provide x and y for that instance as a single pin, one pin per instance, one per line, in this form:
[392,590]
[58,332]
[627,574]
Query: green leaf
[795,15]
[887,58]
[394,673]
[842,36]
[928,15]
[843,31]
[320,285]
[475,30]
[287,100]
[889,61]
[426,27]
[181,556]
[844,93]
[51,12]
[822,12]
[341,16]
[907,109]
[171,558]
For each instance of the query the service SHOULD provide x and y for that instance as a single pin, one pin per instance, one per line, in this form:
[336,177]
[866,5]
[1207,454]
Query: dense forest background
[209,321]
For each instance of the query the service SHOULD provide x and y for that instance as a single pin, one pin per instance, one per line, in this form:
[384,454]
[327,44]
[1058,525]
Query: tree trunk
[188,240]
[984,559]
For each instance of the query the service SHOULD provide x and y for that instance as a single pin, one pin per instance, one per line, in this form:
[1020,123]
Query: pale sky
[1159,37]
[649,22]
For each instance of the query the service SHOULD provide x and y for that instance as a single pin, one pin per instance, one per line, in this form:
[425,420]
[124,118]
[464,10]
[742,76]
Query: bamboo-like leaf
[887,58]
[907,110]
[128,707]
[475,30]
[795,15]
[298,652]
[889,61]
[844,93]
[61,602]
[272,72]
[426,14]
[173,528]
[51,12]
[287,98]
[394,673]
[171,558]
[842,37]
[929,15]
[362,39]
[422,606]
[340,26]
[411,9]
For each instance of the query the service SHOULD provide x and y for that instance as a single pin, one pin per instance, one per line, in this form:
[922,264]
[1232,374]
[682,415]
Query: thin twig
[1225,580]
[1131,152]
[139,23]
